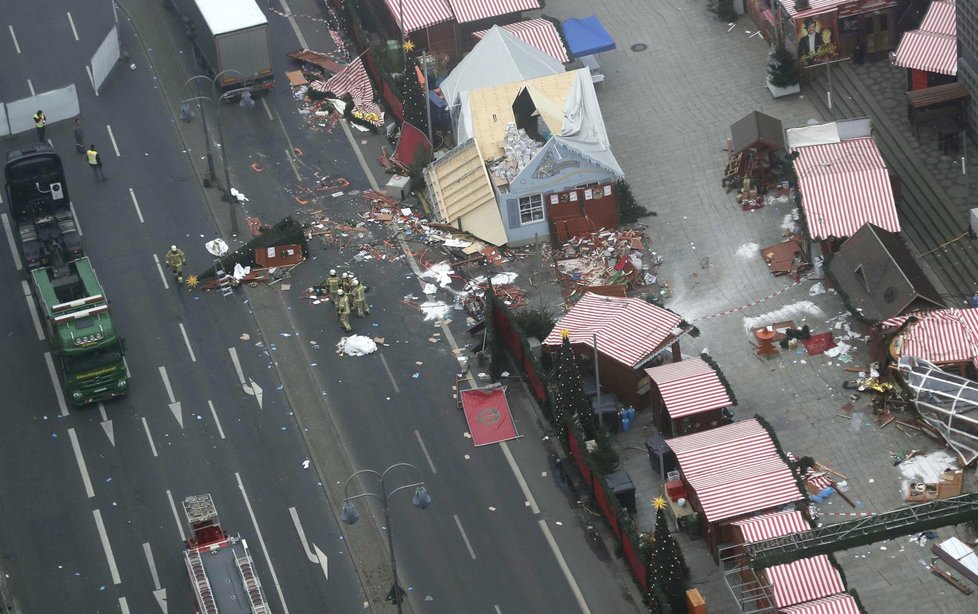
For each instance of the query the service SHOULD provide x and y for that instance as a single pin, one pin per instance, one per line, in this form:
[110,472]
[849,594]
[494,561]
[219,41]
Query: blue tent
[586,36]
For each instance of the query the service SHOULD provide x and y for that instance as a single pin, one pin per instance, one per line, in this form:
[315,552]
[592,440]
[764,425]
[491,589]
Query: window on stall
[531,209]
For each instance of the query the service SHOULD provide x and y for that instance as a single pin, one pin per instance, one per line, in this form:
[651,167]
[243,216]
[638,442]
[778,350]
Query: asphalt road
[496,536]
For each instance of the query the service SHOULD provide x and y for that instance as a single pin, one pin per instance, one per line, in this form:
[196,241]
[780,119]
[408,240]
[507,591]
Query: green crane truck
[88,349]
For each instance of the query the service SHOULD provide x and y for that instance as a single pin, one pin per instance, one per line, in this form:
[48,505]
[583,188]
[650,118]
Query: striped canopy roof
[836,604]
[769,526]
[844,185]
[474,10]
[419,14]
[540,33]
[628,330]
[940,336]
[804,580]
[735,470]
[689,387]
[934,46]
[817,7]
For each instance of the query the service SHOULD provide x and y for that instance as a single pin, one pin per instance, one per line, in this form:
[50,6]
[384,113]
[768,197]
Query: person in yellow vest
[95,161]
[346,282]
[343,309]
[39,123]
[175,259]
[332,283]
[360,298]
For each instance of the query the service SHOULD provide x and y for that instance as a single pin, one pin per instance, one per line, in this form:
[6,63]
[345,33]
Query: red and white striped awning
[735,470]
[804,580]
[769,526]
[940,18]
[419,14]
[689,387]
[628,330]
[354,80]
[818,481]
[844,185]
[474,10]
[539,33]
[934,46]
[940,336]
[836,604]
[817,7]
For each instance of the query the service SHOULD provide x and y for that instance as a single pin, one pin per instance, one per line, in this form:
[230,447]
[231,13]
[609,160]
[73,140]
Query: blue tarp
[586,36]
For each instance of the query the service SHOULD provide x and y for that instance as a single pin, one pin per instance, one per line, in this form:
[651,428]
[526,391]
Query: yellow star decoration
[408,45]
[192,281]
[659,503]
[564,333]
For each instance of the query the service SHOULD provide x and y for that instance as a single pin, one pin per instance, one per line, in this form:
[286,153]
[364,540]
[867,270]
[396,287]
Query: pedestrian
[175,259]
[95,161]
[332,283]
[360,298]
[343,310]
[39,122]
[79,137]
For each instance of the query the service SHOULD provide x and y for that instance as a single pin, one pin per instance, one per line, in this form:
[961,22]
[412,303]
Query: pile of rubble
[608,262]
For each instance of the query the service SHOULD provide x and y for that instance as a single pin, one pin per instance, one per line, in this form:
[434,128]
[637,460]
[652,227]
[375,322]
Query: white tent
[498,58]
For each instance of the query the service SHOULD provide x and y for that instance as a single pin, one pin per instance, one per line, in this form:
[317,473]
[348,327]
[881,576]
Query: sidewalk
[668,110]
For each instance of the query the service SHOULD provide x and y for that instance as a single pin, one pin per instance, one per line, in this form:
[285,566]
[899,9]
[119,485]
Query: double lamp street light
[187,115]
[350,515]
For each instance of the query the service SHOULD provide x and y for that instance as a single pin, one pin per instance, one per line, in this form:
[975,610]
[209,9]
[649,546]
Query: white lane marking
[128,374]
[359,155]
[173,508]
[106,423]
[32,306]
[149,436]
[159,267]
[57,384]
[290,156]
[295,26]
[30,86]
[563,566]
[465,537]
[10,241]
[148,552]
[220,431]
[71,22]
[115,145]
[496,608]
[13,37]
[74,216]
[424,449]
[166,384]
[389,374]
[261,540]
[318,557]
[82,467]
[519,478]
[183,331]
[135,203]
[251,387]
[237,365]
[123,605]
[91,78]
[107,547]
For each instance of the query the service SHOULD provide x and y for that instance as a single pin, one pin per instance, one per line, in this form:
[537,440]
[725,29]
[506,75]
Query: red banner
[488,415]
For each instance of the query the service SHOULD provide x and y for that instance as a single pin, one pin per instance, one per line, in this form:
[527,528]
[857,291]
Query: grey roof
[878,274]
[757,128]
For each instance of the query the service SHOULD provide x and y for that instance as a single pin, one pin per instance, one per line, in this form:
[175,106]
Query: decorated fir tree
[782,67]
[413,96]
[569,399]
[668,565]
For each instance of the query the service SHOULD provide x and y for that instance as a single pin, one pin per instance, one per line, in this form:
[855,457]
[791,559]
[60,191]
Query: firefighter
[346,283]
[332,283]
[343,309]
[175,259]
[360,298]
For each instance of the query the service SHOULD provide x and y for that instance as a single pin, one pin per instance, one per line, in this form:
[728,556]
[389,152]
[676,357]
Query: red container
[675,489]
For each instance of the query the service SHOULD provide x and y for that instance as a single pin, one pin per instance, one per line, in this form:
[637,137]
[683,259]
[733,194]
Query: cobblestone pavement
[668,110]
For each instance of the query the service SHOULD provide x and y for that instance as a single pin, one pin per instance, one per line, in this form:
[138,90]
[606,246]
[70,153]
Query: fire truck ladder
[202,585]
[845,535]
[251,582]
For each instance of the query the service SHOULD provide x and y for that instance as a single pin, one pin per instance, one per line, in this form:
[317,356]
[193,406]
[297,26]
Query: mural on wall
[817,39]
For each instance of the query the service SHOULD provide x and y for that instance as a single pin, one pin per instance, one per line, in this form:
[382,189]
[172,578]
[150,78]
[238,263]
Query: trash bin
[621,484]
[661,456]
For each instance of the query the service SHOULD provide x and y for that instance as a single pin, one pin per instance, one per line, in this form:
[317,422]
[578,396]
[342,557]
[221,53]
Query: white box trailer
[230,39]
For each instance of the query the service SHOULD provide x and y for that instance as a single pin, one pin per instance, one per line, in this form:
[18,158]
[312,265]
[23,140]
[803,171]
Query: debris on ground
[356,345]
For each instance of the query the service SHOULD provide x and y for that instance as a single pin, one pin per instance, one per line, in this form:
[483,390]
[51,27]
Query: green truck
[88,349]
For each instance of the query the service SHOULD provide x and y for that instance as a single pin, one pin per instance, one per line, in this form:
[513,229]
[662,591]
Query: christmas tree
[668,565]
[413,96]
[782,67]
[569,400]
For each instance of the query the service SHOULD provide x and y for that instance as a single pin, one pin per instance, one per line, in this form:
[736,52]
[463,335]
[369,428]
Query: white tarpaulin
[825,134]
[106,58]
[947,402]
[583,128]
[58,105]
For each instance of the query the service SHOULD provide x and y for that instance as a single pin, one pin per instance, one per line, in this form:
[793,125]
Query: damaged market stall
[625,335]
[275,251]
[947,402]
[946,337]
[751,150]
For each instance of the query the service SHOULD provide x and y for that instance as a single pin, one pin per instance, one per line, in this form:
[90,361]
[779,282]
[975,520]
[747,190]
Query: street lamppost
[350,515]
[246,102]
